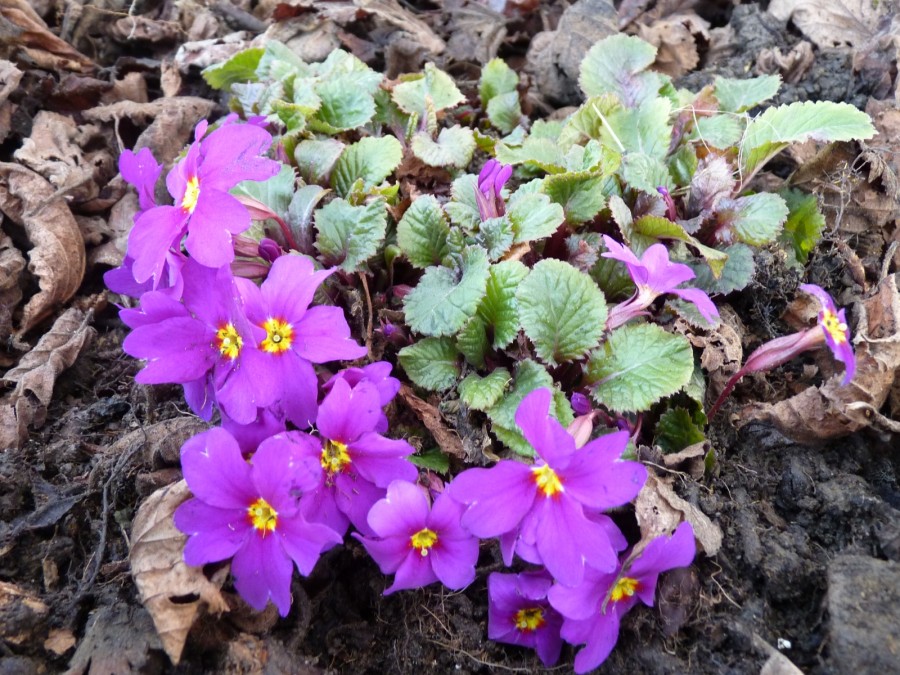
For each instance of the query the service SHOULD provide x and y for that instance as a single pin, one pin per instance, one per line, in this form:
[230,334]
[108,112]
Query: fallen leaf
[659,511]
[834,23]
[12,264]
[200,53]
[59,641]
[446,439]
[35,376]
[676,41]
[22,614]
[832,410]
[141,29]
[10,76]
[26,30]
[722,351]
[119,638]
[395,14]
[58,257]
[173,593]
[792,66]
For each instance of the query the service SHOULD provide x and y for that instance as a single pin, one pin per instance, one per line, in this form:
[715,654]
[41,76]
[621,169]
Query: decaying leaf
[676,41]
[35,376]
[834,23]
[448,441]
[118,638]
[172,592]
[58,257]
[722,352]
[659,511]
[792,66]
[832,410]
[24,29]
[12,264]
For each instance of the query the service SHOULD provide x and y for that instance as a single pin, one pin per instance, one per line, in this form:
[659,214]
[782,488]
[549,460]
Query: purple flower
[491,180]
[294,335]
[199,184]
[594,608]
[831,329]
[520,614]
[417,544]
[358,462]
[141,170]
[654,275]
[546,507]
[121,279]
[379,374]
[267,423]
[250,511]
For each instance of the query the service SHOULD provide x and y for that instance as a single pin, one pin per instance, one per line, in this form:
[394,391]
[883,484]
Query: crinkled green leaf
[587,121]
[433,459]
[663,228]
[462,207]
[433,89]
[372,159]
[539,153]
[505,112]
[644,130]
[736,274]
[682,164]
[431,363]
[712,182]
[472,341]
[279,62]
[562,311]
[803,229]
[755,219]
[238,69]
[276,192]
[300,213]
[736,95]
[480,393]
[499,307]
[772,131]
[534,216]
[454,147]
[496,78]
[677,429]
[496,235]
[617,65]
[645,173]
[258,98]
[316,159]
[422,232]
[718,131]
[344,106]
[350,235]
[445,298]
[579,194]
[343,67]
[637,365]
[528,377]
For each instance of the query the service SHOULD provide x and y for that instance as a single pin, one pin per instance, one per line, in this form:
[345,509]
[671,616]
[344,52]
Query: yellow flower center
[191,194]
[279,336]
[228,341]
[262,516]
[529,619]
[335,457]
[423,540]
[547,480]
[624,588]
[834,326]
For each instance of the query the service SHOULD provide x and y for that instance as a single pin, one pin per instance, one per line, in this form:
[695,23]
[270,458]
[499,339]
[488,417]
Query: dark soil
[788,513]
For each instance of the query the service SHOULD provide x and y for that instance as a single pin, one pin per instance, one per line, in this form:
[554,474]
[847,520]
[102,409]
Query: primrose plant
[530,272]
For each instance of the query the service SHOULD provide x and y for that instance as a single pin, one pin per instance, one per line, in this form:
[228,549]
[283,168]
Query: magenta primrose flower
[417,544]
[203,209]
[594,608]
[547,509]
[379,374]
[520,614]
[293,336]
[654,275]
[250,511]
[491,179]
[357,462]
[831,329]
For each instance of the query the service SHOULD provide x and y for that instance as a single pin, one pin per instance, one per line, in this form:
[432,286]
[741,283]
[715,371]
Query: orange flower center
[624,588]
[547,480]
[529,619]
[836,328]
[279,336]
[229,341]
[262,516]
[191,194]
[423,540]
[335,457]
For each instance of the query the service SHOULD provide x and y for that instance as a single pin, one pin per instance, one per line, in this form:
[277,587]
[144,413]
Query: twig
[371,320]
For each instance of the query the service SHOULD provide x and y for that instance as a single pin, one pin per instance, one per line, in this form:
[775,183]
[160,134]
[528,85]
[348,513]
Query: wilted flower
[594,608]
[250,511]
[831,329]
[654,275]
[546,507]
[520,614]
[417,544]
[491,180]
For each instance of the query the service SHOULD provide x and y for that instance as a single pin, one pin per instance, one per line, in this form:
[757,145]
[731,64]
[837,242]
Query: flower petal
[323,335]
[414,572]
[547,436]
[498,497]
[216,471]
[347,413]
[262,570]
[216,217]
[304,542]
[388,553]
[214,534]
[382,460]
[280,470]
[154,232]
[290,286]
[453,561]
[402,513]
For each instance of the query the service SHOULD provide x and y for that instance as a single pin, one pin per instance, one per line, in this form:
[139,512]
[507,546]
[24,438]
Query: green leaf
[499,307]
[682,164]
[587,121]
[505,111]
[343,67]
[496,236]
[579,194]
[300,213]
[677,429]
[645,173]
[644,130]
[434,89]
[663,228]
[371,159]
[562,311]
[472,341]
[454,147]
[480,393]
[462,207]
[719,131]
[539,153]
[736,95]
[776,128]
[803,229]
[431,363]
[445,299]
[279,62]
[529,376]
[433,459]
[316,159]
[239,68]
[496,78]
[755,219]
[534,216]
[638,365]
[350,235]
[617,65]
[736,274]
[422,232]
[344,107]
[276,192]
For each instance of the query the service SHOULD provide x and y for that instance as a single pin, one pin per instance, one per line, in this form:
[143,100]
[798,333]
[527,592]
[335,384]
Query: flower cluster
[491,180]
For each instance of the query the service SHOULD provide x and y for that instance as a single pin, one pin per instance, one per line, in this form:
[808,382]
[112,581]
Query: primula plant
[338,232]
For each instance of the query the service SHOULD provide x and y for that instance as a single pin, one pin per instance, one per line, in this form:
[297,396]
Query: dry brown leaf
[835,23]
[163,579]
[395,14]
[200,53]
[12,264]
[446,439]
[59,641]
[58,257]
[35,376]
[722,352]
[27,31]
[832,410]
[676,41]
[792,66]
[659,511]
